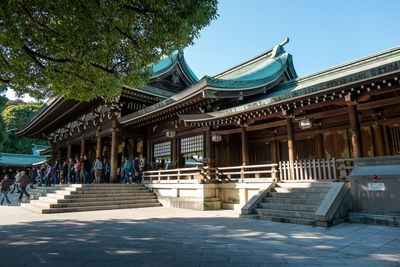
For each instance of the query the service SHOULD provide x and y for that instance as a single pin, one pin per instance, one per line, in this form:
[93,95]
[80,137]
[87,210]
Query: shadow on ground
[195,242]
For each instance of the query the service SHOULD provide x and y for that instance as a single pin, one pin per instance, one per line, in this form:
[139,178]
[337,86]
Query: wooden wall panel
[336,144]
[260,154]
[367,142]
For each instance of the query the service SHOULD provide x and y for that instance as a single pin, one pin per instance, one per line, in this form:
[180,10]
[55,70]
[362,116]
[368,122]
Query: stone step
[47,205]
[302,190]
[286,214]
[107,185]
[304,184]
[297,195]
[115,191]
[298,201]
[283,220]
[102,207]
[95,199]
[291,207]
[98,195]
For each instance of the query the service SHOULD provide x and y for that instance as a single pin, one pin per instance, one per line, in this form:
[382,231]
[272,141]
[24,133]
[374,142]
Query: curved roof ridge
[272,52]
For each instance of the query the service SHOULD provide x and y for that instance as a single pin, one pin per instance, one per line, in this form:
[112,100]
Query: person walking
[23,183]
[5,185]
[98,168]
[17,175]
[71,171]
[64,173]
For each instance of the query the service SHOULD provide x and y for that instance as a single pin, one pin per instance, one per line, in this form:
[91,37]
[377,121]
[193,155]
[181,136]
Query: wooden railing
[247,173]
[300,170]
[194,174]
[316,169]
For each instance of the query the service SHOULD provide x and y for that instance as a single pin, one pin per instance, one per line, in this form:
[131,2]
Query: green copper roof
[365,68]
[254,76]
[169,62]
[21,160]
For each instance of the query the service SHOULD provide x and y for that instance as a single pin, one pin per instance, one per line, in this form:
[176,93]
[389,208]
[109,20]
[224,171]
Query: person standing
[71,171]
[127,170]
[87,167]
[107,170]
[49,172]
[136,169]
[5,185]
[64,173]
[23,183]
[42,174]
[78,167]
[98,168]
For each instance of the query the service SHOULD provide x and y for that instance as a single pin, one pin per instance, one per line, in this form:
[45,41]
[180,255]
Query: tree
[86,49]
[3,128]
[15,114]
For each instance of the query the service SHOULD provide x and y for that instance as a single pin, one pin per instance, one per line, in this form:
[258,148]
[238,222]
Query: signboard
[376,186]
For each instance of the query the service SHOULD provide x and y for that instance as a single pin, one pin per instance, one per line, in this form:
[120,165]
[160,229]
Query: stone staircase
[292,203]
[77,197]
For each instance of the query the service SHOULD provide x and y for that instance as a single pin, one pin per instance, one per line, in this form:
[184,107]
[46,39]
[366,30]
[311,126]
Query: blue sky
[322,33]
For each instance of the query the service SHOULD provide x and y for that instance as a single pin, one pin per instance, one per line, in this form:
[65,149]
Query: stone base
[386,220]
[189,203]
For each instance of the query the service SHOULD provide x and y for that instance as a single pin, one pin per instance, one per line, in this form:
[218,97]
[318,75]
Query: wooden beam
[379,103]
[252,127]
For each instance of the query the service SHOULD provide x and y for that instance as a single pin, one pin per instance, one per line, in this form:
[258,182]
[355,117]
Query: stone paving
[177,237]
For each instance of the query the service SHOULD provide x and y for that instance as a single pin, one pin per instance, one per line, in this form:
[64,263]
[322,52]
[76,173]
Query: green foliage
[15,115]
[86,49]
[3,127]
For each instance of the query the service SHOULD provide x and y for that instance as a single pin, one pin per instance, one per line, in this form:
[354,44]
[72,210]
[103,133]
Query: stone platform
[177,237]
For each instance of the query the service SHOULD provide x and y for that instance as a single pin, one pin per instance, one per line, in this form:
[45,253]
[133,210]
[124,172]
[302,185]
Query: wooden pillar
[114,152]
[274,151]
[379,145]
[210,150]
[245,146]
[83,146]
[175,152]
[291,140]
[318,142]
[99,146]
[355,130]
[69,151]
[291,145]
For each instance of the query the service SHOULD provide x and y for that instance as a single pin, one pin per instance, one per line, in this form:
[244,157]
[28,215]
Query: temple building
[253,114]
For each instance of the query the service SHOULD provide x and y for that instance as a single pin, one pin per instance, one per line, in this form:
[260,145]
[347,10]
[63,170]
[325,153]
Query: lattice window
[162,149]
[192,144]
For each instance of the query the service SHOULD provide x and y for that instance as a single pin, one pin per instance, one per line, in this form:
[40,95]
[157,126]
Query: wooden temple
[255,113]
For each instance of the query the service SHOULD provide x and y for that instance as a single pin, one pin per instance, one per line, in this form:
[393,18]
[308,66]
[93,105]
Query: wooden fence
[300,170]
[316,169]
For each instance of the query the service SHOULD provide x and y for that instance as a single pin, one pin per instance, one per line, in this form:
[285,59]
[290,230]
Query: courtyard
[178,237]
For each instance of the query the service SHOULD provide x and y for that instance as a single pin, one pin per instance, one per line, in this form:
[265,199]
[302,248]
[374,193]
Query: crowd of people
[72,171]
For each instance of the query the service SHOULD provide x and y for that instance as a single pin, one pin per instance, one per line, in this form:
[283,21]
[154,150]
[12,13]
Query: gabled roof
[257,75]
[349,73]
